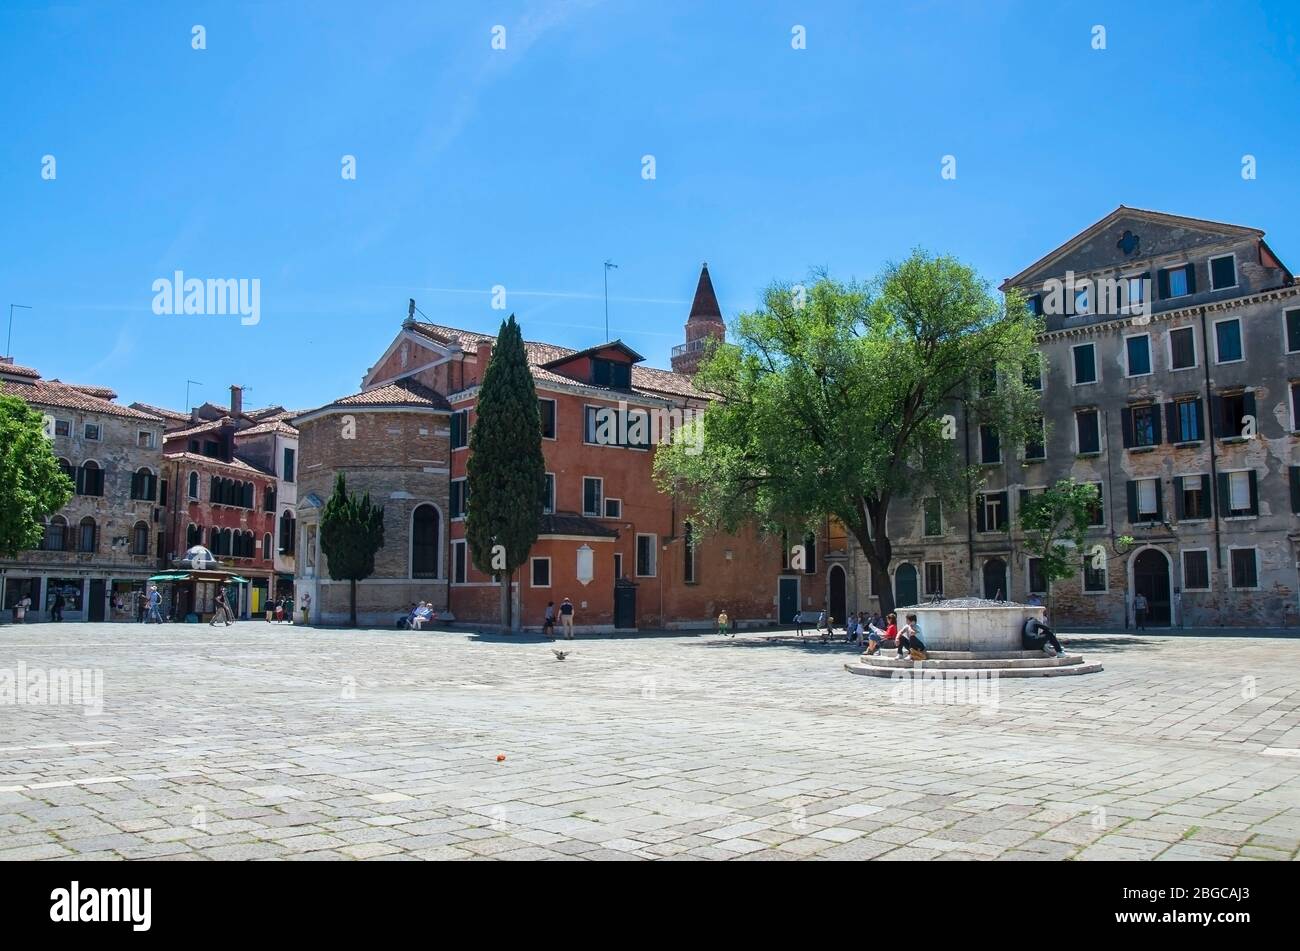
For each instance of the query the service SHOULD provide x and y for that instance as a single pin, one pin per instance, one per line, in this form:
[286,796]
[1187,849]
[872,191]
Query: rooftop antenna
[9,341]
[608,264]
[188,384]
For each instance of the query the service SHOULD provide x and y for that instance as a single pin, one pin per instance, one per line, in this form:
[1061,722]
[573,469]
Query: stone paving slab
[284,743]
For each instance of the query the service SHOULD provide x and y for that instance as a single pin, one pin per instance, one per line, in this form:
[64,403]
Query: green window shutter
[1132,502]
[1126,424]
[1254,493]
[1160,500]
[1249,406]
[1162,280]
[1171,422]
[1191,278]
[1224,510]
[1295,489]
[1179,511]
[1157,436]
[1216,414]
[1004,520]
[1206,507]
[979,514]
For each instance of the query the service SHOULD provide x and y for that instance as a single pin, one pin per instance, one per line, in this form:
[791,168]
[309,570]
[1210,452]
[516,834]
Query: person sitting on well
[1038,636]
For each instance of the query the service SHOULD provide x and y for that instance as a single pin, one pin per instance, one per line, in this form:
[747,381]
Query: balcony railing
[691,346]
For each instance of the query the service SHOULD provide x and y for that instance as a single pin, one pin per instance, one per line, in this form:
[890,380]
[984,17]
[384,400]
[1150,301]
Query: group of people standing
[565,614]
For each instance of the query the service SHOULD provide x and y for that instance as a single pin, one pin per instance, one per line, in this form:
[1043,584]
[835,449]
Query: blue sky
[523,167]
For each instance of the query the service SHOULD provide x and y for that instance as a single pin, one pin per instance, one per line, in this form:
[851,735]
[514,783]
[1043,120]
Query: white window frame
[1175,267]
[532,577]
[1151,357]
[464,499]
[1128,279]
[153,438]
[68,423]
[1241,336]
[654,555]
[454,412]
[99,432]
[1169,348]
[1184,476]
[1286,342]
[1029,586]
[1101,491]
[925,577]
[1074,367]
[555,415]
[1083,579]
[924,533]
[1101,440]
[554,492]
[1236,276]
[605,508]
[1182,565]
[462,544]
[1042,430]
[1251,548]
[980,433]
[1155,498]
[1245,474]
[583,500]
[983,502]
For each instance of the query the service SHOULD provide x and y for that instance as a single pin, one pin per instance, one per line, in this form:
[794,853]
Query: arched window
[90,478]
[266,546]
[140,539]
[88,535]
[144,485]
[194,486]
[268,499]
[56,534]
[424,542]
[250,545]
[69,470]
[214,539]
[287,529]
[193,536]
[226,539]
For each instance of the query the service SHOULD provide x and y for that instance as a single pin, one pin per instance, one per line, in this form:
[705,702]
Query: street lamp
[10,339]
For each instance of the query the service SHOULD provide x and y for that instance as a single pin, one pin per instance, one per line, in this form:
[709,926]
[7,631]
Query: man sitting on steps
[1038,636]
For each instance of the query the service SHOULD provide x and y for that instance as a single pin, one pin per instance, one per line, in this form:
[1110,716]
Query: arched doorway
[905,585]
[836,583]
[1151,579]
[425,537]
[995,579]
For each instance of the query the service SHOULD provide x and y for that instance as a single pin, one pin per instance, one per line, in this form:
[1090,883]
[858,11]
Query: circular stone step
[939,661]
[906,670]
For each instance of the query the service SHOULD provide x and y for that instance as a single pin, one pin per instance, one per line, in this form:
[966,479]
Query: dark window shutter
[1160,500]
[1179,508]
[1200,419]
[979,514]
[1171,422]
[1191,278]
[1003,520]
[1132,502]
[1216,414]
[1206,507]
[1126,423]
[1295,489]
[1223,495]
[1248,404]
[1156,436]
[1254,493]
[1162,279]
[1024,498]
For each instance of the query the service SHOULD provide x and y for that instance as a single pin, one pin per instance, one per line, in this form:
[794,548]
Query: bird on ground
[560,655]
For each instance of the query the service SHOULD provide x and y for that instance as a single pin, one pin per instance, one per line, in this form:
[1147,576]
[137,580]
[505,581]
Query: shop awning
[239,579]
[169,577]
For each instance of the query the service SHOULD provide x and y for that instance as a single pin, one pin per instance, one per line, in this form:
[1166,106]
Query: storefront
[191,596]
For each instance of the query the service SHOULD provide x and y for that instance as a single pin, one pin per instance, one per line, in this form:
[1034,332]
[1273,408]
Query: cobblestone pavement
[261,741]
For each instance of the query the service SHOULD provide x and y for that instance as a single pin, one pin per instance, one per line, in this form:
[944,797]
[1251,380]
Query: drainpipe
[1209,437]
[1110,491]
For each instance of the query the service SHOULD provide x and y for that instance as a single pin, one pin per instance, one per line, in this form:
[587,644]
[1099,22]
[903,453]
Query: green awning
[169,577]
[239,579]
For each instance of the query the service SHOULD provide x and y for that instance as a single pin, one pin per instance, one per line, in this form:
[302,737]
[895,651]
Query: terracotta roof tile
[270,426]
[62,396]
[13,369]
[571,523]
[170,415]
[103,392]
[398,393]
[238,464]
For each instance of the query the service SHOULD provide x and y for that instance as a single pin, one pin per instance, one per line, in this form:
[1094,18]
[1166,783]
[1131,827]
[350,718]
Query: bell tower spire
[703,324]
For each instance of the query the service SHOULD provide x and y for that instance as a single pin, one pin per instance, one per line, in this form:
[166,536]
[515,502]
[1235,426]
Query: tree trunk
[352,611]
[505,600]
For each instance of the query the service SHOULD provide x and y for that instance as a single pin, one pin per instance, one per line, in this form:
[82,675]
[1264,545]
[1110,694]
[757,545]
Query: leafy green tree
[1056,523]
[506,468]
[351,532]
[32,486]
[837,399]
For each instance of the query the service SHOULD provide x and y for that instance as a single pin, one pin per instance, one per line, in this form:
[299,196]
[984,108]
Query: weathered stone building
[105,543]
[1170,379]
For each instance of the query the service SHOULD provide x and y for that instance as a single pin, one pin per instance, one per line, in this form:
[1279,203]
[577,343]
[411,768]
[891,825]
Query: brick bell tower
[704,324]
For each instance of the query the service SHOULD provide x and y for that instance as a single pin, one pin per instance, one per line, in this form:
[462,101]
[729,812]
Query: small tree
[32,486]
[506,468]
[351,532]
[1056,522]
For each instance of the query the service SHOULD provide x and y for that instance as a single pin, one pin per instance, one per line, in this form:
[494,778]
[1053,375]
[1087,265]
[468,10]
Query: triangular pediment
[1125,238]
[409,353]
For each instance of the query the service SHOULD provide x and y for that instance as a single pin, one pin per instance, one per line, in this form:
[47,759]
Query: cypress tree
[351,531]
[506,468]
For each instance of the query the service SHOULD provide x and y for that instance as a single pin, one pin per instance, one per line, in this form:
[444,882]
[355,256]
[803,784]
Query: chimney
[236,402]
[410,313]
[484,357]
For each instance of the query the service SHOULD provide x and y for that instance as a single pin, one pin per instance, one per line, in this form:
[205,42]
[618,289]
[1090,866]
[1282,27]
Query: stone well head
[972,624]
